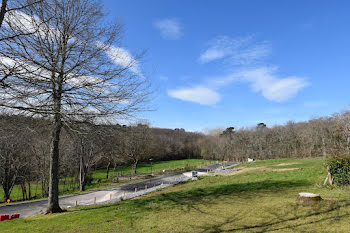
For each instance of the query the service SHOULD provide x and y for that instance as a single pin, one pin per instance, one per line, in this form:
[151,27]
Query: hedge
[339,167]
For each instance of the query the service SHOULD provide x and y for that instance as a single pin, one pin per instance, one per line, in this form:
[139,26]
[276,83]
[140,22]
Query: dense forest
[25,145]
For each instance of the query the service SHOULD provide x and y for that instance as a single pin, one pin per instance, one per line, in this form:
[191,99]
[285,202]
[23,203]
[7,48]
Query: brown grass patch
[244,170]
[285,169]
[286,164]
[257,169]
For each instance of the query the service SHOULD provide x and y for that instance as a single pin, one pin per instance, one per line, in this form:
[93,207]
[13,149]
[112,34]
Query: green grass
[157,167]
[261,198]
[143,168]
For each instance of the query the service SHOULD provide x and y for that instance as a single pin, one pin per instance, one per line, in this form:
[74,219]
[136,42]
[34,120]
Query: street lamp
[151,166]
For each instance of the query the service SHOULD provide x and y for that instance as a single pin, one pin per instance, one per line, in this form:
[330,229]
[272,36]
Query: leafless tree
[324,136]
[3,11]
[136,144]
[15,153]
[14,5]
[67,69]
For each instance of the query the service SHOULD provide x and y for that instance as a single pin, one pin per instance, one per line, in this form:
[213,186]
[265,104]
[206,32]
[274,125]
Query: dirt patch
[286,164]
[260,169]
[285,169]
[244,170]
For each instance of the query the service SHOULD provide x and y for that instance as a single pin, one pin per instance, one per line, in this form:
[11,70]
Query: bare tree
[15,154]
[136,144]
[67,69]
[3,11]
[14,6]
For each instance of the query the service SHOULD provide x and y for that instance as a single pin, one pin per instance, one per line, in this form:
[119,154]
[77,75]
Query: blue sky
[237,63]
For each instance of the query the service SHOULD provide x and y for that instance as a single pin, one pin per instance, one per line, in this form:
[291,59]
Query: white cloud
[264,80]
[246,59]
[170,29]
[198,94]
[271,86]
[121,57]
[235,51]
[246,55]
[29,24]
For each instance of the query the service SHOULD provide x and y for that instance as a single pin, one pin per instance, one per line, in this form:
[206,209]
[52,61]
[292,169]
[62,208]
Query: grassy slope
[261,199]
[143,168]
[157,167]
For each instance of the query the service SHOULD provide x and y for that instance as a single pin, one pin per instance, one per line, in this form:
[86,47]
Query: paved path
[108,195]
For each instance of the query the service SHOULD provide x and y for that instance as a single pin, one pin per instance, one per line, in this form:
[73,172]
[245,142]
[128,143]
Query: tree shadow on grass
[210,195]
[88,208]
[188,199]
[202,199]
[287,221]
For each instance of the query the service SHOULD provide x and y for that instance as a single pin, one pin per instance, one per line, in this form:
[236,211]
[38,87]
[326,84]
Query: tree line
[318,137]
[84,147]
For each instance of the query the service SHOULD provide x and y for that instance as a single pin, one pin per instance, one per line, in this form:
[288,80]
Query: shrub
[339,167]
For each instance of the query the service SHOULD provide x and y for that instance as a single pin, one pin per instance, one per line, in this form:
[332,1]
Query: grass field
[143,168]
[157,167]
[260,197]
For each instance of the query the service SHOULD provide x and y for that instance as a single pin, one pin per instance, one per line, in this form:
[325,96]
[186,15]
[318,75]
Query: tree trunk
[44,187]
[134,165]
[135,168]
[324,152]
[108,166]
[309,197]
[53,205]
[7,181]
[81,174]
[24,190]
[29,191]
[3,11]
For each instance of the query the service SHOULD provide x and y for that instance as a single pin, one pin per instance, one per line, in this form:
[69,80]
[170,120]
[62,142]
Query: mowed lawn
[157,167]
[260,197]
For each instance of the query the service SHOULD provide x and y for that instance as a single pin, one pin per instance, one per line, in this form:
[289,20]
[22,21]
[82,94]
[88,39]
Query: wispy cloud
[235,51]
[315,104]
[29,24]
[170,29]
[163,78]
[266,81]
[121,57]
[198,94]
[246,60]
[270,85]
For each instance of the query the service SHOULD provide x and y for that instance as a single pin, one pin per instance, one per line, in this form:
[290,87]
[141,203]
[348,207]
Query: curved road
[107,195]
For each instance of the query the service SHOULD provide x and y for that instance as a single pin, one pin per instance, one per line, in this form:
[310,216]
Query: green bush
[339,167]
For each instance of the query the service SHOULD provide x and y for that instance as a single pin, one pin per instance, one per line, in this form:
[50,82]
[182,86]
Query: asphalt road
[106,195]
